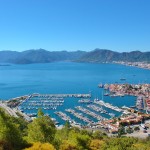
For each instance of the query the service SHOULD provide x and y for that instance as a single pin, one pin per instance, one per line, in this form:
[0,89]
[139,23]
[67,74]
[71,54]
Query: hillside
[96,56]
[38,56]
[102,55]
[41,134]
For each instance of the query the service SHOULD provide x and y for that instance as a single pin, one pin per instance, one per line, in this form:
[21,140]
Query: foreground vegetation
[41,134]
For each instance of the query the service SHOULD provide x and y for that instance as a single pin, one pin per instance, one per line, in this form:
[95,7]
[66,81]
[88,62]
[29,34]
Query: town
[144,65]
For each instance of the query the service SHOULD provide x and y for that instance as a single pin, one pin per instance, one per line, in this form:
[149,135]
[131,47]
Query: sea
[69,78]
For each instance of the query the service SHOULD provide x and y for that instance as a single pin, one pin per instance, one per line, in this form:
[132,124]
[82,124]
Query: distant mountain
[96,56]
[38,56]
[103,55]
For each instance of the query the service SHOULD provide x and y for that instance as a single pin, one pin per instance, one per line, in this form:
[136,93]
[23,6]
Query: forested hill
[41,134]
[97,55]
[102,55]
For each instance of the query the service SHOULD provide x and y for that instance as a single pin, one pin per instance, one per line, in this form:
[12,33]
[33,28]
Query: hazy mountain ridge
[38,56]
[97,56]
[102,55]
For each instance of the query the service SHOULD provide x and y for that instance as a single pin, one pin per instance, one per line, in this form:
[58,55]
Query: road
[8,110]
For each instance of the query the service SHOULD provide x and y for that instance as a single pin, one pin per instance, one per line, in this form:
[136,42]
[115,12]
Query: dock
[90,113]
[79,115]
[63,95]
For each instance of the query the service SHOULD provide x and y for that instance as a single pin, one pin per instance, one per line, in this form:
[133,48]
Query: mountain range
[95,56]
[103,55]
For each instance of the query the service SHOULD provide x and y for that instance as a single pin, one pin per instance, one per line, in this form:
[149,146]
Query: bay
[68,77]
[65,77]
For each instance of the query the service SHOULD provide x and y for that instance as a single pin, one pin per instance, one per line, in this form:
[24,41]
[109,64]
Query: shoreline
[142,65]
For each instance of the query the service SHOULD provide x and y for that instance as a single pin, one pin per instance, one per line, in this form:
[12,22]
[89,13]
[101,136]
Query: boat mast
[102,95]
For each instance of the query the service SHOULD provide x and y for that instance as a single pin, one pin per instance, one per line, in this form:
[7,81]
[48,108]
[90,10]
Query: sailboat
[122,78]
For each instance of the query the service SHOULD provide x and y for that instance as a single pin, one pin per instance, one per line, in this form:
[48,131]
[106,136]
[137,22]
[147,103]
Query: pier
[110,106]
[45,102]
[102,103]
[63,95]
[79,116]
[100,110]
[90,113]
[63,116]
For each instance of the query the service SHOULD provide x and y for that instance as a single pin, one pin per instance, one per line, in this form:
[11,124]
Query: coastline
[142,65]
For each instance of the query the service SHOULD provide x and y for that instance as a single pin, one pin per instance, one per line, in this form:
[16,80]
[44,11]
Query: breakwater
[63,95]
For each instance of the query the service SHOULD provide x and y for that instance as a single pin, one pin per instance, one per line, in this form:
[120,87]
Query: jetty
[97,109]
[63,116]
[108,105]
[47,101]
[79,116]
[140,103]
[85,101]
[90,113]
[100,110]
[63,95]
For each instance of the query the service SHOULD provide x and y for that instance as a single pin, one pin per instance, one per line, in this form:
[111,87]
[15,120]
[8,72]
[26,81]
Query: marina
[86,110]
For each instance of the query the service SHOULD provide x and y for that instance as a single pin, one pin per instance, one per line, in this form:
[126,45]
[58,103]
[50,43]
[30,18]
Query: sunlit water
[67,77]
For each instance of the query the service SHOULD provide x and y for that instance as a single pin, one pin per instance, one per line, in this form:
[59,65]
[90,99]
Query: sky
[55,25]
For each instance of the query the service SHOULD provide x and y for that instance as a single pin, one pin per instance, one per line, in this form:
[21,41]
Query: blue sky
[119,25]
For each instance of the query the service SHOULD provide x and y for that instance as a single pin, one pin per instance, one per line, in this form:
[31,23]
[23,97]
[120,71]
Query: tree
[122,143]
[41,146]
[66,129]
[67,145]
[22,124]
[40,112]
[97,144]
[4,145]
[42,130]
[129,130]
[77,139]
[83,141]
[99,135]
[60,136]
[9,131]
[121,131]
[140,146]
[136,129]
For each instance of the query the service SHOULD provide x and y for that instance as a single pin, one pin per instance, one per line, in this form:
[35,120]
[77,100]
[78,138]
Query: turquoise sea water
[67,77]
